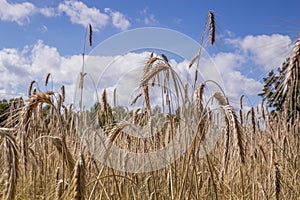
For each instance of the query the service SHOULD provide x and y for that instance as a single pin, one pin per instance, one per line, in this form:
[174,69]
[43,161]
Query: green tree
[274,93]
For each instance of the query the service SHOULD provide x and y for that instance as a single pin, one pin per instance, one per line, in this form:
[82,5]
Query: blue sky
[47,36]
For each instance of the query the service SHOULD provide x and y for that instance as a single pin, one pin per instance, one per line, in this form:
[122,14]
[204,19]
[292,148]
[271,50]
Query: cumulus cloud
[19,67]
[118,19]
[148,19]
[44,58]
[15,73]
[21,12]
[49,12]
[267,51]
[123,72]
[236,82]
[79,13]
[16,12]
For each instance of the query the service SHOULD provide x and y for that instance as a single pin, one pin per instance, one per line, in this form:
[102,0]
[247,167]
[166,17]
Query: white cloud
[17,12]
[268,51]
[235,82]
[34,62]
[251,57]
[121,72]
[44,59]
[228,61]
[15,73]
[19,67]
[79,13]
[118,19]
[49,12]
[148,18]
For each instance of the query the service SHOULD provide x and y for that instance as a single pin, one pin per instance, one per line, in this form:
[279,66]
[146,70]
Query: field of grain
[257,154]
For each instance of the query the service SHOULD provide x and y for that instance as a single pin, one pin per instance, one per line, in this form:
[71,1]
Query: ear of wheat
[63,150]
[236,129]
[212,28]
[277,180]
[47,79]
[195,58]
[12,166]
[90,35]
[199,97]
[30,88]
[288,84]
[33,168]
[78,181]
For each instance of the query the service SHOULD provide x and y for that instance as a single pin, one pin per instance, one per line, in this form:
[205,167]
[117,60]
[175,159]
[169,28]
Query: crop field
[46,155]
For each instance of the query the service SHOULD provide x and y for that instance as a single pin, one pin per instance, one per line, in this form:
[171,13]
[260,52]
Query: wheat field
[256,156]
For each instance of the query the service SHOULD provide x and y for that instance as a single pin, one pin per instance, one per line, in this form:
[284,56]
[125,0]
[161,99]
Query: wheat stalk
[90,35]
[291,76]
[212,28]
[164,57]
[149,75]
[235,127]
[241,109]
[104,102]
[59,190]
[30,88]
[225,157]
[194,59]
[221,99]
[263,191]
[199,97]
[116,130]
[277,180]
[63,93]
[11,170]
[136,98]
[149,64]
[47,79]
[115,97]
[63,150]
[78,180]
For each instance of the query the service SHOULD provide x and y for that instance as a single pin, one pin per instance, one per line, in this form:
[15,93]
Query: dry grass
[256,156]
